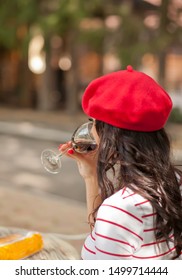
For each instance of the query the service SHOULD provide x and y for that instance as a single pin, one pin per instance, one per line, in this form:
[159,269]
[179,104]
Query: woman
[133,189]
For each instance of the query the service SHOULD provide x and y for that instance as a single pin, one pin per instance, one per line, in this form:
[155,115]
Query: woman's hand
[87,162]
[87,165]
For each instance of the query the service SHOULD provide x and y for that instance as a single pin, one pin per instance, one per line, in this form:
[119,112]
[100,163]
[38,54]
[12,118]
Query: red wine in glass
[82,142]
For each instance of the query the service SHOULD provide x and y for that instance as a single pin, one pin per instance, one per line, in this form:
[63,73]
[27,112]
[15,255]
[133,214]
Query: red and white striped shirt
[124,229]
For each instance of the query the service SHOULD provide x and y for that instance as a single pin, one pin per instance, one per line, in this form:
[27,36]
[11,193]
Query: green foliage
[94,39]
[60,17]
[176,115]
[133,40]
[136,39]
[13,15]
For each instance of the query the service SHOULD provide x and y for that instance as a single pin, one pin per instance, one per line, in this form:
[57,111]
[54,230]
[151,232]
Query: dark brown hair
[141,161]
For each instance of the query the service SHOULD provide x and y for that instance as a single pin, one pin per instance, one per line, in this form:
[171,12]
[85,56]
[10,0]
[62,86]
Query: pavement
[42,212]
[47,212]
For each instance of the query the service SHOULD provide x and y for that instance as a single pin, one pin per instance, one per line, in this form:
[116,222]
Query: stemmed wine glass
[82,142]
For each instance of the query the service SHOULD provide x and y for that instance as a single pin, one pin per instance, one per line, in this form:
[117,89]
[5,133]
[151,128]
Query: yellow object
[20,246]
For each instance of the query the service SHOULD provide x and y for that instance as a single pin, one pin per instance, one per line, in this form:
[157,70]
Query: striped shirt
[125,229]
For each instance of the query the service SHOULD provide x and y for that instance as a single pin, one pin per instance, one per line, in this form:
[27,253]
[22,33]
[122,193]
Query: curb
[29,130]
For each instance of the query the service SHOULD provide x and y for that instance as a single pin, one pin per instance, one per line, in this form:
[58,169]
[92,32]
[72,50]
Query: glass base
[51,161]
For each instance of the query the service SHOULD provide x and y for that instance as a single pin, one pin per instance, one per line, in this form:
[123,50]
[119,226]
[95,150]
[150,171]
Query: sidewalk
[58,124]
[29,120]
[49,213]
[45,212]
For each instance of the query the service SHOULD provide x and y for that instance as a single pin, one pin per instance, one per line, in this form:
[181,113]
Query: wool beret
[127,99]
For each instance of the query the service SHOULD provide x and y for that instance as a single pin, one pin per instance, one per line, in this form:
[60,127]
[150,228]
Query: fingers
[66,148]
[86,161]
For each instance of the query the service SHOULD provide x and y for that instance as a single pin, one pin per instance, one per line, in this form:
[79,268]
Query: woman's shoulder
[129,200]
[126,195]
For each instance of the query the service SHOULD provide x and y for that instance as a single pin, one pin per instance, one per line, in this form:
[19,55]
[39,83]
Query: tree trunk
[26,98]
[163,34]
[162,68]
[46,99]
[72,80]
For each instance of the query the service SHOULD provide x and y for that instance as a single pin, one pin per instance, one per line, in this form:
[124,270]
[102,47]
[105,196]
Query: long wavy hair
[141,161]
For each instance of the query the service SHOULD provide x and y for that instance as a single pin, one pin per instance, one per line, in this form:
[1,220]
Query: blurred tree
[133,38]
[146,27]
[130,39]
[168,35]
[58,17]
[70,14]
[16,17]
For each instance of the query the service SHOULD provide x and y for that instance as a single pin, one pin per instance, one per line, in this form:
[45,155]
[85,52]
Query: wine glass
[82,142]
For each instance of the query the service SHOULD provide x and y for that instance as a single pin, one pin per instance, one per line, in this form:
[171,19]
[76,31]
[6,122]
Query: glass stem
[61,154]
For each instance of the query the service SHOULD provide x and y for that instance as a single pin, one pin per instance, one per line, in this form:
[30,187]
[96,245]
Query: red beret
[127,99]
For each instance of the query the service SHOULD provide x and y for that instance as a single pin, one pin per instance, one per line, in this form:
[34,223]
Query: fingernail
[70,151]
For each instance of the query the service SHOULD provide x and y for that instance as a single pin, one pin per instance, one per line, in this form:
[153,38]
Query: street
[21,168]
[25,186]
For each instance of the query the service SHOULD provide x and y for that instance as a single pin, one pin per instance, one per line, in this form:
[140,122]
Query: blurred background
[49,52]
